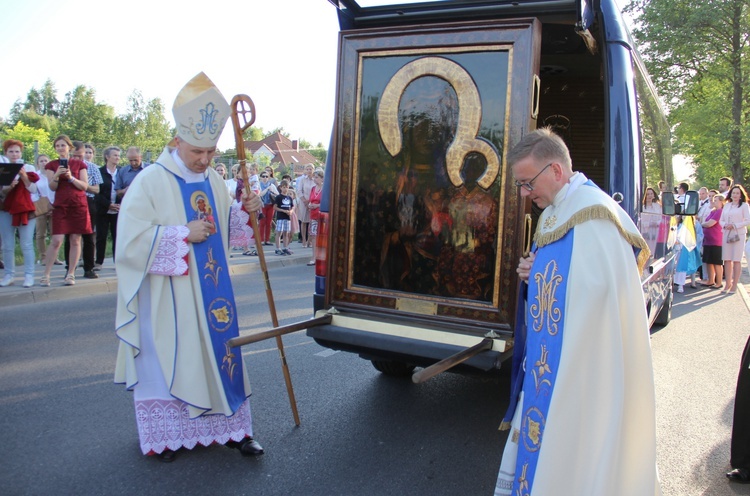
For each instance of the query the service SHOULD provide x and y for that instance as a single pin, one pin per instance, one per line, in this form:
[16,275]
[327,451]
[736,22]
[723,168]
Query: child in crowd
[283,207]
[293,217]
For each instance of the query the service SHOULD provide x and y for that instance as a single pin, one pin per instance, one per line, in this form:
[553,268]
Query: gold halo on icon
[469,116]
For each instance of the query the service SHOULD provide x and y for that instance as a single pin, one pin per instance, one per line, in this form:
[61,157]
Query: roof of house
[286,151]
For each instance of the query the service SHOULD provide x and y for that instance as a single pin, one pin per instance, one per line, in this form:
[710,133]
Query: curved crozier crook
[469,116]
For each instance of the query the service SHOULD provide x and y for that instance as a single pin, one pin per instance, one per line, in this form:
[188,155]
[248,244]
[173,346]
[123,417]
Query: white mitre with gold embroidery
[200,112]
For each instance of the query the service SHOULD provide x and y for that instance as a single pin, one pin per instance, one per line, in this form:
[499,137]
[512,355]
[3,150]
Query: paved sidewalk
[16,294]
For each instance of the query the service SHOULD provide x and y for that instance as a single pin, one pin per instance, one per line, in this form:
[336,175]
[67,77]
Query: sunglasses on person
[263,176]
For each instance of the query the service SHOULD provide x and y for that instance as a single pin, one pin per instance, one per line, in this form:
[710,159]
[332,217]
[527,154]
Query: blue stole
[544,324]
[216,288]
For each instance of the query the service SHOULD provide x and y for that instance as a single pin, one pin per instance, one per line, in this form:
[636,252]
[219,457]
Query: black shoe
[740,475]
[167,456]
[248,446]
[90,274]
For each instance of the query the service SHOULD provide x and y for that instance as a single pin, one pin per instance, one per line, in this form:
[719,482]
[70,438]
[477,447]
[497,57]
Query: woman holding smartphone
[68,178]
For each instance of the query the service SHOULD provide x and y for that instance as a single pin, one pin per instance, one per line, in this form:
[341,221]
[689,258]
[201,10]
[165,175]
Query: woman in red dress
[68,178]
[314,207]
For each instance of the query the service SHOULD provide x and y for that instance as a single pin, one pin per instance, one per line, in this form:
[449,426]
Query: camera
[64,162]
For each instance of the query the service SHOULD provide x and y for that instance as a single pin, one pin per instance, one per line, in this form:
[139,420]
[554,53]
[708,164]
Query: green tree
[255,134]
[705,130]
[40,110]
[143,125]
[39,121]
[40,102]
[697,53]
[83,118]
[29,136]
[319,152]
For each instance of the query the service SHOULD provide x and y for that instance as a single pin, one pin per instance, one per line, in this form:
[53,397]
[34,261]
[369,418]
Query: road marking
[326,353]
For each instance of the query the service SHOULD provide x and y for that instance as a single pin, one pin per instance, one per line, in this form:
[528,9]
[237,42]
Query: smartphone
[64,162]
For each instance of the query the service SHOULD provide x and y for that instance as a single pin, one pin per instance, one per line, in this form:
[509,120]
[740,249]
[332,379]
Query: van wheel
[665,314]
[393,369]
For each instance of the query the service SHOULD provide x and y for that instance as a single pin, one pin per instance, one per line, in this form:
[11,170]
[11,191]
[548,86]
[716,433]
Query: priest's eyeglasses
[528,186]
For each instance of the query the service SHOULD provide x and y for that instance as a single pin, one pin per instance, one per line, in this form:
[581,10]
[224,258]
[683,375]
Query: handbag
[42,206]
[733,236]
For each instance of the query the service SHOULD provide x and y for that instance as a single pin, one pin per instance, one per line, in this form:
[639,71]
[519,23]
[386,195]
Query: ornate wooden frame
[376,68]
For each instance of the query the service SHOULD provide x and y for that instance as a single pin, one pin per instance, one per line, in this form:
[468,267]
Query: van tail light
[321,242]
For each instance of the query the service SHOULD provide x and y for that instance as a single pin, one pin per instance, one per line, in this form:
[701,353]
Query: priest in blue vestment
[582,415]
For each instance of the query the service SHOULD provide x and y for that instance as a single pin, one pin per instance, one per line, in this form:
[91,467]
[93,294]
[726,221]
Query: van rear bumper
[379,346]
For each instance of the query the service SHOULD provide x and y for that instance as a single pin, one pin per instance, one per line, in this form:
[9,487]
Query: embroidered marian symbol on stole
[544,312]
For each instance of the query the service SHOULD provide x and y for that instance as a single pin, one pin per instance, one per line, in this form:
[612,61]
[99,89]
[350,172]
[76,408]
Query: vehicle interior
[572,97]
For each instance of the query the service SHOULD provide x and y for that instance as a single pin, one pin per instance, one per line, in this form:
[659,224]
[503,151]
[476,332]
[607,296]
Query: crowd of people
[710,244]
[72,203]
[69,202]
[290,206]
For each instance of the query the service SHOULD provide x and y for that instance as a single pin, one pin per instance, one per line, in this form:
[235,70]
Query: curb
[745,296]
[240,268]
[16,295]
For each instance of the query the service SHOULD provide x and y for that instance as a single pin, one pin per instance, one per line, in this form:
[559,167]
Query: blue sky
[282,53]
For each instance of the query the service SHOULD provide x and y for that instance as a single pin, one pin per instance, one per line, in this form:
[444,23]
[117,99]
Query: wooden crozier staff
[243,116]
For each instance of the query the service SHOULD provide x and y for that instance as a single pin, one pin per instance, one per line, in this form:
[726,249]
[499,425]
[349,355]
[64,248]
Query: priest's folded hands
[524,266]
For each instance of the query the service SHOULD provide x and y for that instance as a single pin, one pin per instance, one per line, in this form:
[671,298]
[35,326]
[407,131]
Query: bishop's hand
[199,231]
[251,203]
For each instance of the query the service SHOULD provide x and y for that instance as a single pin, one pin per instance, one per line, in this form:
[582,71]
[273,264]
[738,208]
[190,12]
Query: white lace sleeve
[171,254]
[240,233]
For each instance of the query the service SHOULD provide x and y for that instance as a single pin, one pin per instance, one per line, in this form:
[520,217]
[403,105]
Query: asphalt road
[696,361]
[67,429]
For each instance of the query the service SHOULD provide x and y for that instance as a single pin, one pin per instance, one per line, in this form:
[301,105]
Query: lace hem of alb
[171,254]
[166,424]
[240,233]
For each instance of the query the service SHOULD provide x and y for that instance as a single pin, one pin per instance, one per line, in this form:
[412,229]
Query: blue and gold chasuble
[216,288]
